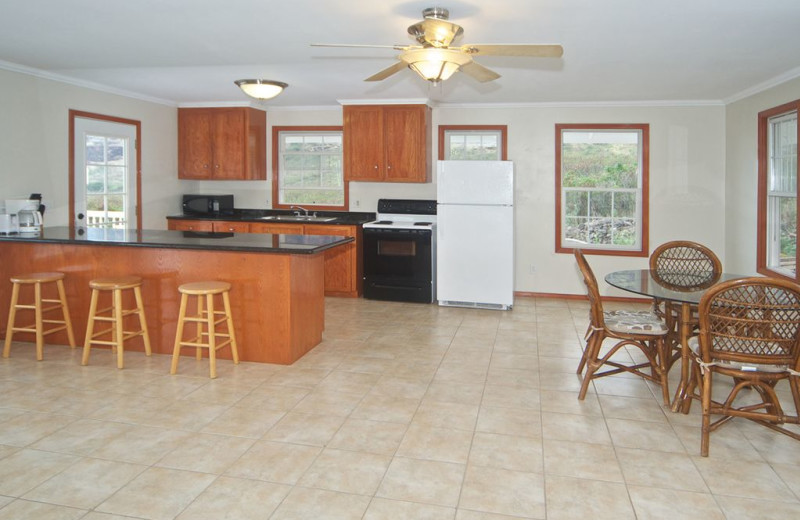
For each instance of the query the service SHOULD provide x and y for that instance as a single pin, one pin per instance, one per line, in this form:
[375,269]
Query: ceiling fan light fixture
[261,88]
[435,65]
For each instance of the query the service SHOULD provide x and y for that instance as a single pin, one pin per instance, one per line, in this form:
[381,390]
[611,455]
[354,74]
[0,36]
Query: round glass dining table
[683,289]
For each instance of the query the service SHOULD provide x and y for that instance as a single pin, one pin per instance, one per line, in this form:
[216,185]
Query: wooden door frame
[73,114]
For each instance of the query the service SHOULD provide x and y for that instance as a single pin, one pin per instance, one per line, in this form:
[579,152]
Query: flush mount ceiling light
[261,88]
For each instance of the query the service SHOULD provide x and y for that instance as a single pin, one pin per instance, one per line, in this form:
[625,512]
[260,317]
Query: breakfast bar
[277,295]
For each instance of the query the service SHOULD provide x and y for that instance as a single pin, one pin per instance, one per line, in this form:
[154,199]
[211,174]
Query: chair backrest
[596,311]
[751,320]
[685,264]
[684,256]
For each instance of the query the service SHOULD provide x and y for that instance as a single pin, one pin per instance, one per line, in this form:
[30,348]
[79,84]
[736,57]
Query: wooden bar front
[277,299]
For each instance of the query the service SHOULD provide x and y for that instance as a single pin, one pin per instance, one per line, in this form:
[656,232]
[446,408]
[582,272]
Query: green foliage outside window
[601,182]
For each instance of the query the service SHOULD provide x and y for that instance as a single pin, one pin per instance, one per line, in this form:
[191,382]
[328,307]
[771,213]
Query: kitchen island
[277,294]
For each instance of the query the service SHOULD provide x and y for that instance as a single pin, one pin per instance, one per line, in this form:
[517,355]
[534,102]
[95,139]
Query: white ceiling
[190,51]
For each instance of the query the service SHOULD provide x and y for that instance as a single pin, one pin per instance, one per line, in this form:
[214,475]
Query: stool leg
[226,301]
[176,350]
[118,325]
[212,336]
[199,327]
[62,295]
[37,310]
[87,342]
[142,321]
[12,314]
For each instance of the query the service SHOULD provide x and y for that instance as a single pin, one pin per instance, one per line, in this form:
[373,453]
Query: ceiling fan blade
[479,72]
[388,71]
[511,49]
[395,47]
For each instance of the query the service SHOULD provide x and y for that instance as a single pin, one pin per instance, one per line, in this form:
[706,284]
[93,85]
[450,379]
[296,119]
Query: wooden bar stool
[37,279]
[207,319]
[115,317]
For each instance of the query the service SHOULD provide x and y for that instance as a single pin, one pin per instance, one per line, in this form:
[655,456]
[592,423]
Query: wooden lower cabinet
[190,225]
[343,264]
[221,226]
[276,229]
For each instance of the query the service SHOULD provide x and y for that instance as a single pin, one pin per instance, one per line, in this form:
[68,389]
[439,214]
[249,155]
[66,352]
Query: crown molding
[766,85]
[30,71]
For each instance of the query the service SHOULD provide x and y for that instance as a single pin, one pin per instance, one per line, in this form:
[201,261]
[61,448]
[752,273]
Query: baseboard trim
[527,294]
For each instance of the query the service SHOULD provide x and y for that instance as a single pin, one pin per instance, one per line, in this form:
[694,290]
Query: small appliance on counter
[28,217]
[8,224]
[207,205]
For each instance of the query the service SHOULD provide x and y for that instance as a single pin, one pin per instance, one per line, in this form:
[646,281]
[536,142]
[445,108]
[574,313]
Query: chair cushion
[694,345]
[634,322]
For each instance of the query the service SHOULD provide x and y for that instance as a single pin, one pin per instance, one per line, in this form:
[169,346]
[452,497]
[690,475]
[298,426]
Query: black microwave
[208,204]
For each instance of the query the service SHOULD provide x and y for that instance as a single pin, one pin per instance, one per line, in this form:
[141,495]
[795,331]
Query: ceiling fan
[436,60]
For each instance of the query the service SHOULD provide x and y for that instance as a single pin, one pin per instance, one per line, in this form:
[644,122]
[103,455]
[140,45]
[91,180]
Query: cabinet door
[406,143]
[222,226]
[229,143]
[194,144]
[276,229]
[341,262]
[190,225]
[363,143]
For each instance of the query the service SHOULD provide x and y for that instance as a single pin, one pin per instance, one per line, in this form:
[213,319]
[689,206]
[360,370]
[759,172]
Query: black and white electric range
[400,251]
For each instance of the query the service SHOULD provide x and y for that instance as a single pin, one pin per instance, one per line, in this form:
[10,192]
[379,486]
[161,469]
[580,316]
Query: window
[601,188]
[777,191]
[307,167]
[472,142]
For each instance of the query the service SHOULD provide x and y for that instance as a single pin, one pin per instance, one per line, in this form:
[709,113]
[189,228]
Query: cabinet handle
[376,166]
[388,167]
[216,166]
[205,166]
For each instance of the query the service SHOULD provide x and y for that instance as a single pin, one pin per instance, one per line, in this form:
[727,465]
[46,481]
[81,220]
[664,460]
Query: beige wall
[741,186]
[687,168]
[34,135]
[687,179]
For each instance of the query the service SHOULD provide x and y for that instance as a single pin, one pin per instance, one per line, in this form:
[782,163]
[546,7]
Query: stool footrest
[218,346]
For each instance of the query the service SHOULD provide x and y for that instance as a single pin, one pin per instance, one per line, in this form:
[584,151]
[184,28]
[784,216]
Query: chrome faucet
[300,208]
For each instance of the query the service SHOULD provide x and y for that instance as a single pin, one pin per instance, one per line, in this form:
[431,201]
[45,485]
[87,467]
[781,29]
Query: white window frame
[467,134]
[640,245]
[775,193]
[279,163]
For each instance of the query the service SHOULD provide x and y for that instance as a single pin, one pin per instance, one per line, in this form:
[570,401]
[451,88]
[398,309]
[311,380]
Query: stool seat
[206,321]
[114,316]
[199,288]
[39,321]
[36,277]
[116,282]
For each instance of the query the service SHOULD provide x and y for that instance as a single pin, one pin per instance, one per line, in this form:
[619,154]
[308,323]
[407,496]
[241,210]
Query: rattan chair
[641,329]
[750,332]
[682,265]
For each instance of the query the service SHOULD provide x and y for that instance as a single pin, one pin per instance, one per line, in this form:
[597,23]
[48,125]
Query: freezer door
[475,256]
[475,182]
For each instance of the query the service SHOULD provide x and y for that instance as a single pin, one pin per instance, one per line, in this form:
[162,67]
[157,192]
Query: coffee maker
[28,217]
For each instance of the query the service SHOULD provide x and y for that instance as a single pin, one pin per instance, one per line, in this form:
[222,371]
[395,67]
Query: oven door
[398,264]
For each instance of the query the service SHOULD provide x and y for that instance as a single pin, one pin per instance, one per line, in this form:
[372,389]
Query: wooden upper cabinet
[222,143]
[387,143]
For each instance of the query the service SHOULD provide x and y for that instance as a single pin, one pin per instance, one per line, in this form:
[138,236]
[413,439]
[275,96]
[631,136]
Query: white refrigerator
[475,234]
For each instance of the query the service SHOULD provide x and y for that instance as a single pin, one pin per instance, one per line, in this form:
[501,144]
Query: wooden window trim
[643,251]
[503,129]
[276,147]
[763,173]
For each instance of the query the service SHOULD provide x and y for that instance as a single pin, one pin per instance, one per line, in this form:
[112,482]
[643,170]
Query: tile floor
[404,412]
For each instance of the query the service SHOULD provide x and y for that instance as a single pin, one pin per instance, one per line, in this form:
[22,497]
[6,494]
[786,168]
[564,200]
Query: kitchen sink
[297,218]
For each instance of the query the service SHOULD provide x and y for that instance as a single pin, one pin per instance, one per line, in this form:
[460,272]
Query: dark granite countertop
[245,242]
[342,218]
